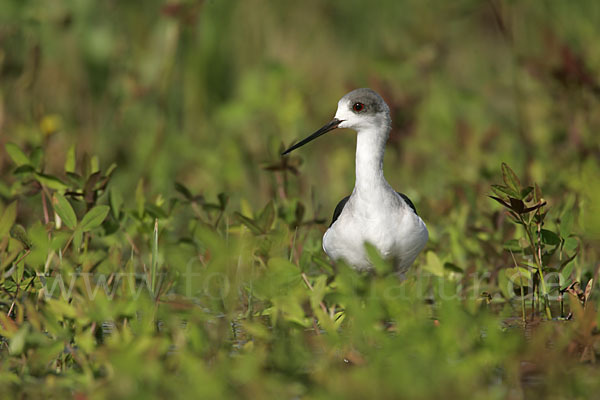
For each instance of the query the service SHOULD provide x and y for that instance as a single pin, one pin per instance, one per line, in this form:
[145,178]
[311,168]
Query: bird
[374,212]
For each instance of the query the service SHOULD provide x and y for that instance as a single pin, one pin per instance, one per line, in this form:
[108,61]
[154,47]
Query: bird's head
[361,109]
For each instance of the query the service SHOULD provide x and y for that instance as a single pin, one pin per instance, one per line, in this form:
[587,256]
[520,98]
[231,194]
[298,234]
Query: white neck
[370,145]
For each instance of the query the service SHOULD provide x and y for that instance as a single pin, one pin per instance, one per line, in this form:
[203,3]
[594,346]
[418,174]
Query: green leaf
[510,178]
[566,224]
[70,160]
[64,210]
[453,267]
[550,238]
[62,308]
[94,218]
[17,154]
[568,260]
[503,284]
[266,217]
[588,289]
[75,179]
[504,190]
[519,276]
[5,189]
[59,240]
[116,201]
[17,342]
[50,181]
[512,245]
[526,192]
[279,279]
[8,219]
[19,233]
[94,165]
[24,169]
[322,263]
[381,266]
[565,274]
[570,245]
[77,237]
[433,264]
[250,224]
[140,200]
[155,211]
[498,190]
[110,169]
[37,157]
[181,188]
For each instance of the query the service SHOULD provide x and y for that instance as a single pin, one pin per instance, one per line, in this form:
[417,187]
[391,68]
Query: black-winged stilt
[374,212]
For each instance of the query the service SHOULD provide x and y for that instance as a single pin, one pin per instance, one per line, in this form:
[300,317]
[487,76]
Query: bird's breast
[396,234]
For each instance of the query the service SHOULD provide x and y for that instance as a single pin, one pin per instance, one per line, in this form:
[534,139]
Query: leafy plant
[217,286]
[527,208]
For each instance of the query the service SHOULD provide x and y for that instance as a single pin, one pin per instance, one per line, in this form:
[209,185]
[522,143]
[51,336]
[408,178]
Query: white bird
[374,213]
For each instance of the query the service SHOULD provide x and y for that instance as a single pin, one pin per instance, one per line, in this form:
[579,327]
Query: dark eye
[358,107]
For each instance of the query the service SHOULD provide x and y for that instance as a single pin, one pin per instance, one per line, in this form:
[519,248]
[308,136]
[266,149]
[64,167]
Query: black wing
[407,200]
[338,209]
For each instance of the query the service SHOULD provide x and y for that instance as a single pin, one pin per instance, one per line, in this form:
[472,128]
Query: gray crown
[372,101]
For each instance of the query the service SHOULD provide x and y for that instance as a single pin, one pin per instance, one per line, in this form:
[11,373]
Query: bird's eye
[358,107]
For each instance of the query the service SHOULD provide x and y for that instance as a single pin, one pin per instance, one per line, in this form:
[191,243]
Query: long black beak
[328,127]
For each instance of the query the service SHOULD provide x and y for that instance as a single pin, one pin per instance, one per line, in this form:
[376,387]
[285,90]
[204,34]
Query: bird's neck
[370,145]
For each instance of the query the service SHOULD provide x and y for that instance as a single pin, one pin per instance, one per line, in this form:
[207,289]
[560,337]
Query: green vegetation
[153,243]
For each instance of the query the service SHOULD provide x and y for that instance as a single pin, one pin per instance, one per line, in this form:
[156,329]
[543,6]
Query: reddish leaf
[517,205]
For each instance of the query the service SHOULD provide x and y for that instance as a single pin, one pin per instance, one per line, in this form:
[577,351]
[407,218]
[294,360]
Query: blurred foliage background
[205,92]
[208,93]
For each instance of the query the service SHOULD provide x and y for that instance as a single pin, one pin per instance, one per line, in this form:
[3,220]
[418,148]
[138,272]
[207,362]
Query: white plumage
[374,212]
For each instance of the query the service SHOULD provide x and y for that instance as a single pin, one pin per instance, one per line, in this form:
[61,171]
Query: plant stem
[538,263]
[521,286]
[154,255]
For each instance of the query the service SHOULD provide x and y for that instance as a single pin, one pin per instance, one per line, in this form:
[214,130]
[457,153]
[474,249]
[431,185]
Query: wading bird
[374,213]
